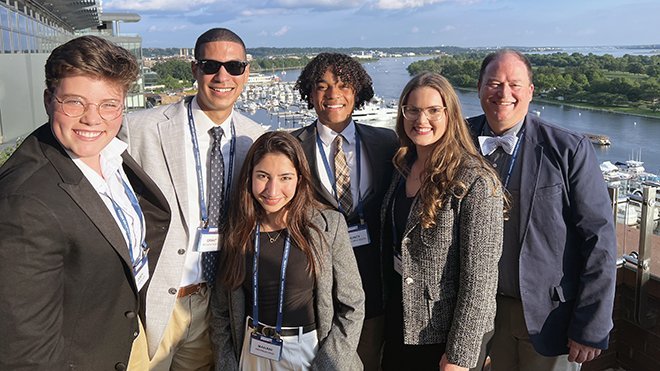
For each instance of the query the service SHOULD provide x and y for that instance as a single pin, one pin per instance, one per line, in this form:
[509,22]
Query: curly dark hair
[347,69]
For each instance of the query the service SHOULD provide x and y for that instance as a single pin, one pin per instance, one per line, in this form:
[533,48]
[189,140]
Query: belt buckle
[270,332]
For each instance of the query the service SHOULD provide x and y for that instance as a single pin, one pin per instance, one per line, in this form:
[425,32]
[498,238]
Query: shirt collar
[203,123]
[110,159]
[327,135]
[487,131]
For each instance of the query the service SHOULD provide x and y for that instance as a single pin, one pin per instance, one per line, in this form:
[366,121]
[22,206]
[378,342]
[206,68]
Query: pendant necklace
[272,239]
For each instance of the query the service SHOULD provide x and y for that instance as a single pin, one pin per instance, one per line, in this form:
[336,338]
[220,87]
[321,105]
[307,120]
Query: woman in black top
[284,251]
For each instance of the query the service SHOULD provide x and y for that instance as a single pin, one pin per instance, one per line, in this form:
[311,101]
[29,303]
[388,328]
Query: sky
[386,23]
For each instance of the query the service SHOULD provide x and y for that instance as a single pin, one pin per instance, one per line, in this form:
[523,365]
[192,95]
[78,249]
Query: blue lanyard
[331,175]
[255,282]
[512,161]
[123,221]
[198,167]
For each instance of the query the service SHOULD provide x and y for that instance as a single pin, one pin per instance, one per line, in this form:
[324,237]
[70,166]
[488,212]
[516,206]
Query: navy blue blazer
[567,239]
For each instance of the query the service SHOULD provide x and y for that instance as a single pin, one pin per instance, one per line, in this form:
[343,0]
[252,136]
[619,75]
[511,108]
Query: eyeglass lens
[211,67]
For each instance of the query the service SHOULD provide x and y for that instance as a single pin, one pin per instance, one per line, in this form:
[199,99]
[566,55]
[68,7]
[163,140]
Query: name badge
[265,347]
[398,265]
[141,271]
[208,239]
[359,235]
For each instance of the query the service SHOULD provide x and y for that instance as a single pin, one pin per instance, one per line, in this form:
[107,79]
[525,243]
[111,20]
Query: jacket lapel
[308,139]
[85,196]
[172,135]
[532,153]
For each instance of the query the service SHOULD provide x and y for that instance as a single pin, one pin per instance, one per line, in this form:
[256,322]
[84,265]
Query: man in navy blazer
[557,272]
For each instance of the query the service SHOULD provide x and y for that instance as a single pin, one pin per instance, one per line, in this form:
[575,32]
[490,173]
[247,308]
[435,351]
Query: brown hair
[454,148]
[91,56]
[246,212]
[346,68]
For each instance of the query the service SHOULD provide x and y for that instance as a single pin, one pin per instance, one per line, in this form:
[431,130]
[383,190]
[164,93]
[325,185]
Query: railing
[639,260]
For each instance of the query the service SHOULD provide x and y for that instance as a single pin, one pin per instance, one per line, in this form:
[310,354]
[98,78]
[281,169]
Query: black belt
[270,330]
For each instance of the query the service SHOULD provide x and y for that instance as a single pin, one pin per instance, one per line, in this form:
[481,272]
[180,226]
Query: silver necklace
[272,239]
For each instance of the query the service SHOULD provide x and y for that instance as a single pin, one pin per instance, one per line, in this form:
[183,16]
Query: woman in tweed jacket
[442,225]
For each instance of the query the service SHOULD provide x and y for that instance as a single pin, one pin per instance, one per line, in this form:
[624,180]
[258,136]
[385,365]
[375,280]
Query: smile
[222,90]
[88,134]
[422,131]
[271,201]
[334,106]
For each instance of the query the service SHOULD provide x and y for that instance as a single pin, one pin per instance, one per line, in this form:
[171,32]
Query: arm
[221,331]
[480,237]
[596,240]
[338,349]
[32,249]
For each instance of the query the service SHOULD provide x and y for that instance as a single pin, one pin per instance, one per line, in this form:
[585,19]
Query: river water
[632,137]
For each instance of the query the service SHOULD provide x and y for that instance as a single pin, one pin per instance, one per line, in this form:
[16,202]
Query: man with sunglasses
[176,145]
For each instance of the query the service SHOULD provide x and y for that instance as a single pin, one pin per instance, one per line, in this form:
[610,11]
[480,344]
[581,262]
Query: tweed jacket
[339,305]
[68,297]
[449,271]
[155,139]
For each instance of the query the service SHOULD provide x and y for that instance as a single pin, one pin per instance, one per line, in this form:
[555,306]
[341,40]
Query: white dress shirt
[192,269]
[327,137]
[110,188]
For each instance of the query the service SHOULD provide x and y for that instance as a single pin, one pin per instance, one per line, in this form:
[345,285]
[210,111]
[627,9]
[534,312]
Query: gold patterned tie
[342,177]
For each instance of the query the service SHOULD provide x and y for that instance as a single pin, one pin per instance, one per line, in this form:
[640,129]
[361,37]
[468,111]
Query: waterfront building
[29,31]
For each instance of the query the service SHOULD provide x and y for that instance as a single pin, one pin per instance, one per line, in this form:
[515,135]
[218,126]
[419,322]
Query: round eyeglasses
[211,67]
[412,113]
[75,107]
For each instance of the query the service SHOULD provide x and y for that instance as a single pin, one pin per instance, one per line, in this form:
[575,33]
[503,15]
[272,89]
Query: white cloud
[448,28]
[415,29]
[320,3]
[403,4]
[282,31]
[157,5]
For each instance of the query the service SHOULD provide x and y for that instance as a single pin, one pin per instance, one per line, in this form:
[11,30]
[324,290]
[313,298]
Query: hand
[446,366]
[581,353]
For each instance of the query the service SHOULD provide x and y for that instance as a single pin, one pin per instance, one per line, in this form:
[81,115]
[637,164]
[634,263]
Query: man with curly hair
[351,164]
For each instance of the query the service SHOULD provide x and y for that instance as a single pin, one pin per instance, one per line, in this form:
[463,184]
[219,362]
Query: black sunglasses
[211,67]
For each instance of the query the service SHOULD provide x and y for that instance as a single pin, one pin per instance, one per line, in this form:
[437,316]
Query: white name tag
[359,235]
[208,239]
[398,266]
[141,270]
[265,347]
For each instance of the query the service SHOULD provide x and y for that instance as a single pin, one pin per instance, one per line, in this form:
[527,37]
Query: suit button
[405,241]
[135,334]
[172,291]
[409,281]
[120,367]
[130,314]
[181,251]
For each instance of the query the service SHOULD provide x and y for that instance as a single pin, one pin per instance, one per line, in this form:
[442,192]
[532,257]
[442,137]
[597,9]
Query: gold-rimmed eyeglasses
[75,107]
[412,113]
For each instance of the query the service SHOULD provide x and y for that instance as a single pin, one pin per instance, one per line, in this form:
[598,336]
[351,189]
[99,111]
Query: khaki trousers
[186,344]
[512,350]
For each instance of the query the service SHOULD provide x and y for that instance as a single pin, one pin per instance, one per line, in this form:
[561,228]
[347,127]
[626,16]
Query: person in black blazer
[557,273]
[81,225]
[334,85]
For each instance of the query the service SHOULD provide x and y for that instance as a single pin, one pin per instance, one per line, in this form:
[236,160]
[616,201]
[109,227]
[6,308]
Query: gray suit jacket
[155,139]
[567,239]
[449,271]
[68,298]
[339,305]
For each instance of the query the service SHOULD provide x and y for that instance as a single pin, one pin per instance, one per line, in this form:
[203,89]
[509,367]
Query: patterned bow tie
[489,144]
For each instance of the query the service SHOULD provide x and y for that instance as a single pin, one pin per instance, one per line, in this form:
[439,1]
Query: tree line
[630,81]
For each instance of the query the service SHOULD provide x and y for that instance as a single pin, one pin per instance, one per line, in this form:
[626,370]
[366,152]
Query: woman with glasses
[288,295]
[442,234]
[81,225]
